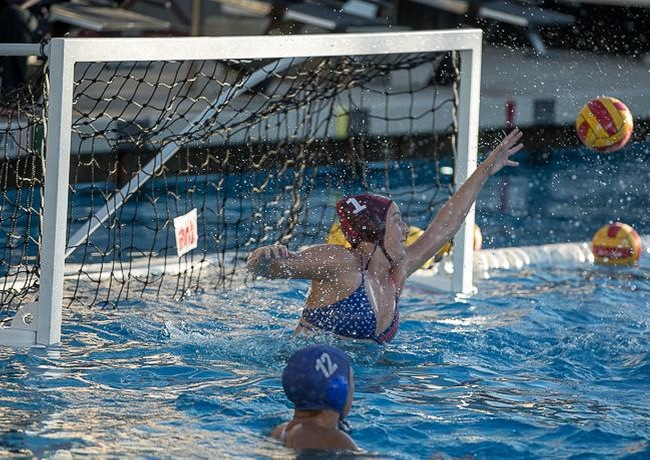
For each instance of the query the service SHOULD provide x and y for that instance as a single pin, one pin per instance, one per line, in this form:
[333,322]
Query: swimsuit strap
[397,288]
[391,331]
[392,277]
[383,249]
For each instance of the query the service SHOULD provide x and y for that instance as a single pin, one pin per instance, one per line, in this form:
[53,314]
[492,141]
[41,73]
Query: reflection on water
[551,364]
[568,199]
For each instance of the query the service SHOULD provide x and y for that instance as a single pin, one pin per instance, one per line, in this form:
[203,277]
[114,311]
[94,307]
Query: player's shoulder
[278,430]
[345,441]
[332,251]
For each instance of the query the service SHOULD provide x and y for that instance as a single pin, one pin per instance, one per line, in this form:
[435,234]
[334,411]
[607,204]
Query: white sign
[187,237]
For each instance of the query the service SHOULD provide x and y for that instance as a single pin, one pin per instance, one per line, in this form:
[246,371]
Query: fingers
[277,252]
[254,255]
[512,138]
[268,252]
[508,146]
[511,143]
[515,149]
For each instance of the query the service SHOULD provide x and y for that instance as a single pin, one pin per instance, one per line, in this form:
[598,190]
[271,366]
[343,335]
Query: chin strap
[383,249]
[390,259]
[344,426]
[370,258]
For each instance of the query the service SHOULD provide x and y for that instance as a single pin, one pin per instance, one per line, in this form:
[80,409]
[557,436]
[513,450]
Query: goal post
[465,164]
[257,133]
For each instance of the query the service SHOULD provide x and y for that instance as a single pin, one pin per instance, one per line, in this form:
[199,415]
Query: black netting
[22,128]
[261,149]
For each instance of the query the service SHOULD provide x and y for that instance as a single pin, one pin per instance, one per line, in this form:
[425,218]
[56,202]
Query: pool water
[540,363]
[537,365]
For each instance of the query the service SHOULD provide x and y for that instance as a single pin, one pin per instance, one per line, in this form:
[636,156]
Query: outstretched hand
[500,156]
[260,260]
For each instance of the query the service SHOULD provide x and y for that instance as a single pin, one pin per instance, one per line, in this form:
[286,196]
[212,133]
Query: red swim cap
[363,217]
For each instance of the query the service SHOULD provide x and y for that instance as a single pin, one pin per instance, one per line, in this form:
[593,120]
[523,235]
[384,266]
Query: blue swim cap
[317,378]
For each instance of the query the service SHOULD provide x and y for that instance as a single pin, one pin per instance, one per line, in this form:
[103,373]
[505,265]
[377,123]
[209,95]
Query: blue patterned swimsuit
[352,317]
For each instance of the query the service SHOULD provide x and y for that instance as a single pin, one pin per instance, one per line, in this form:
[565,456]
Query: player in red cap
[355,291]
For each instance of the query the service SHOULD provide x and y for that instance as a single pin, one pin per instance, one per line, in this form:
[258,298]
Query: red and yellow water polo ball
[604,124]
[616,244]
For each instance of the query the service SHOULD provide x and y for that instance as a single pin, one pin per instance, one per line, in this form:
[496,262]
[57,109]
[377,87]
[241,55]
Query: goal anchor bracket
[22,330]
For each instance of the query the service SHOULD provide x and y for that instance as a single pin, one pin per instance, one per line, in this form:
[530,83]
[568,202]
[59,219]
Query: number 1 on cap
[358,207]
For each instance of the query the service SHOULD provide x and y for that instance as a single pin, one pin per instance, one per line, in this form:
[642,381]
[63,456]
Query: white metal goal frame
[39,323]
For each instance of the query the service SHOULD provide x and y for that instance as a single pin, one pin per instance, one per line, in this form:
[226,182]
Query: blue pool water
[541,363]
[549,364]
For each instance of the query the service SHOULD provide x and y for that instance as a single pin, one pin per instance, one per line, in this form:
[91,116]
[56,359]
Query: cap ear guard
[337,393]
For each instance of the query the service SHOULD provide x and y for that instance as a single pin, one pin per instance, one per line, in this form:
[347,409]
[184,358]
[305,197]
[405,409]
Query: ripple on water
[554,366]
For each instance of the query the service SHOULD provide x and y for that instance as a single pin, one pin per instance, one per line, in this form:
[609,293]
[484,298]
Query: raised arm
[323,262]
[450,217]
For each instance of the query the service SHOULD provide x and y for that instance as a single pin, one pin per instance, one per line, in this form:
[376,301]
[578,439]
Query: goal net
[22,124]
[149,167]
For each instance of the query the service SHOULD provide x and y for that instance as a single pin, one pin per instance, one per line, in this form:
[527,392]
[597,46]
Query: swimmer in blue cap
[355,291]
[318,380]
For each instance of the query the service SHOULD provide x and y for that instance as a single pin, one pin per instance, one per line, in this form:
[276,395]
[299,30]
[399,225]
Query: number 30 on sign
[187,237]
